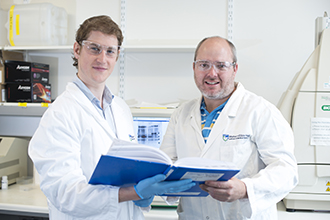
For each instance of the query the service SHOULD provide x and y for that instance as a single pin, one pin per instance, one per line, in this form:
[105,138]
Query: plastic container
[3,32]
[4,183]
[25,183]
[37,24]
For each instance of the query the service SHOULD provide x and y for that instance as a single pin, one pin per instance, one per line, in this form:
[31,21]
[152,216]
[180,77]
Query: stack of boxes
[25,81]
[6,55]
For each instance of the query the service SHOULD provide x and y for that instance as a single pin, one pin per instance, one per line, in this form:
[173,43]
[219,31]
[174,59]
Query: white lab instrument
[13,158]
[321,23]
[306,106]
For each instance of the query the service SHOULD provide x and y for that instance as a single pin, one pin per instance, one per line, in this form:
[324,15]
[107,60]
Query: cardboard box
[27,92]
[2,93]
[26,72]
[8,55]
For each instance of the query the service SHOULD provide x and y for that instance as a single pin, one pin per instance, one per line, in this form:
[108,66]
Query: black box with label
[26,72]
[27,92]
[8,55]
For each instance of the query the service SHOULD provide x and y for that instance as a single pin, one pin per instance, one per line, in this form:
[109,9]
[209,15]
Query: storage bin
[37,24]
[3,32]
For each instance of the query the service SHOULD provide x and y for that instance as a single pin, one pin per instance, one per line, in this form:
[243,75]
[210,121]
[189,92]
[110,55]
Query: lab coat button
[207,217]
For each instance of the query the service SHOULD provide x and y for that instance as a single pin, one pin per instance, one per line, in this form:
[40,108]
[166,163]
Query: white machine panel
[306,106]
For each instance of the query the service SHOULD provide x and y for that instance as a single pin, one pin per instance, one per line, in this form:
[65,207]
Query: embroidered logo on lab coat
[227,137]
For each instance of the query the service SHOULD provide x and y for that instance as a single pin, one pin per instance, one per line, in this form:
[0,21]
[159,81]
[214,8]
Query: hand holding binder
[127,163]
[157,186]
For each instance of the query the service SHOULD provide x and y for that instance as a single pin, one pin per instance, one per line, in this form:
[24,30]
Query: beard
[221,94]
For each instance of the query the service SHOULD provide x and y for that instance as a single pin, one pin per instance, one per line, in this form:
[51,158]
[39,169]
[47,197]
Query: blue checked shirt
[209,119]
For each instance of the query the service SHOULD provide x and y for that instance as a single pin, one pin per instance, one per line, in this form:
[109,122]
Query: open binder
[127,163]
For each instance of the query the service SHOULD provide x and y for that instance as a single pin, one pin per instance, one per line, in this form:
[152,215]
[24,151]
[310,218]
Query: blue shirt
[209,119]
[106,111]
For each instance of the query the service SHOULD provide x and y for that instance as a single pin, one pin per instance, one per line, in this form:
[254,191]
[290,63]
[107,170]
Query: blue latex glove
[156,186]
[144,202]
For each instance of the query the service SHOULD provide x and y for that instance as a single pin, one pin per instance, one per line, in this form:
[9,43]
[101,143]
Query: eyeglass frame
[226,66]
[101,47]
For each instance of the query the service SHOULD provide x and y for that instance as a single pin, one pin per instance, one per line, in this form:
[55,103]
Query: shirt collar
[219,108]
[107,95]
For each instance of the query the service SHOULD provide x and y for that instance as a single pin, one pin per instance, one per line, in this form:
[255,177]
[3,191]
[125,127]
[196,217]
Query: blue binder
[119,171]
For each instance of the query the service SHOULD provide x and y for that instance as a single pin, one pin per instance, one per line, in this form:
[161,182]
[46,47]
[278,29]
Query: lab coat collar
[235,100]
[87,105]
[229,111]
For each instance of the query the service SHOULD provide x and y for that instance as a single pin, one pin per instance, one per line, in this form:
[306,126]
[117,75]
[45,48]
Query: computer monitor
[150,130]
[150,125]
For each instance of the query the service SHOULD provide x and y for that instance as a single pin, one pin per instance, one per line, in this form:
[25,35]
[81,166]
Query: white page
[135,151]
[198,162]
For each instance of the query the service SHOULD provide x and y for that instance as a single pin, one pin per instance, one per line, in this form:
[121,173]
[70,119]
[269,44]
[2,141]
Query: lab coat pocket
[236,151]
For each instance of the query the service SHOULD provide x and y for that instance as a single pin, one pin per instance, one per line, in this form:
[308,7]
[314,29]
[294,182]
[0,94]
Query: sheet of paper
[320,131]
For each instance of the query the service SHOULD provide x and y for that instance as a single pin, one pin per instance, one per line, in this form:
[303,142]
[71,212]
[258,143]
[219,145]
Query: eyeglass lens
[96,49]
[206,65]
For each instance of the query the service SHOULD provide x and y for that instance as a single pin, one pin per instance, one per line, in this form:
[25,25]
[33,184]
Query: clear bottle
[4,182]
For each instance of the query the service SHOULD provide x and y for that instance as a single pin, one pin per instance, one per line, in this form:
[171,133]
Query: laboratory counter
[18,201]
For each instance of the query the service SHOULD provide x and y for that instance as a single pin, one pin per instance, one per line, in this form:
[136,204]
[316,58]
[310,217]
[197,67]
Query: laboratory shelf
[159,48]
[127,48]
[46,49]
[22,108]
[160,45]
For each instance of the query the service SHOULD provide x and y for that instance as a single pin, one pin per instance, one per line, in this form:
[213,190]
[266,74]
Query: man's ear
[76,50]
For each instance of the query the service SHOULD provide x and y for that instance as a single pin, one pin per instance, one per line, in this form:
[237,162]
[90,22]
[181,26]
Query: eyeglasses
[205,65]
[96,49]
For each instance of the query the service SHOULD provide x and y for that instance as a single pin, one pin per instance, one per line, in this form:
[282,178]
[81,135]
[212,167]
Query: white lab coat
[65,149]
[260,143]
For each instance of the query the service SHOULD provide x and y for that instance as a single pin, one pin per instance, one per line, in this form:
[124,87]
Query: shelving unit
[52,54]
[23,108]
[158,48]
[44,49]
[136,70]
[161,46]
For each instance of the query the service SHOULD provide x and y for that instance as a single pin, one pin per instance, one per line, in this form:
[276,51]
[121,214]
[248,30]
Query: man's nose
[213,70]
[102,56]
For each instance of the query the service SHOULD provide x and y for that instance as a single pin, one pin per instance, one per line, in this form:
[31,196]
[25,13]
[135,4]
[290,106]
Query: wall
[273,39]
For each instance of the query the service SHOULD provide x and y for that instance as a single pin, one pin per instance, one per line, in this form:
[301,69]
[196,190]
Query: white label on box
[320,131]
[196,176]
[1,76]
[3,95]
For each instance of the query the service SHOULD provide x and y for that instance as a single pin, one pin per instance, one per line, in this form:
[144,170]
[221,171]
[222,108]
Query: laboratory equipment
[306,106]
[13,158]
[150,124]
